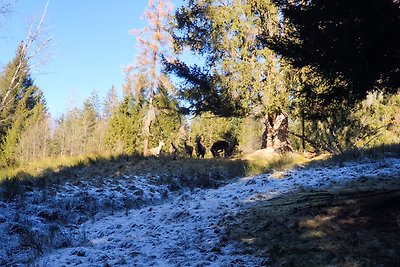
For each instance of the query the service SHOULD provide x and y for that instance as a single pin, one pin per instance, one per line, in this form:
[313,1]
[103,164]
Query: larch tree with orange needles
[145,76]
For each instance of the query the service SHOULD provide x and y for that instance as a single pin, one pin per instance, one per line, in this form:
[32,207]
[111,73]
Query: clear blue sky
[91,44]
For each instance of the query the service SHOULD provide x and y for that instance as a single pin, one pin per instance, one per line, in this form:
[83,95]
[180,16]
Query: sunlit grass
[50,165]
[103,165]
[123,164]
[264,162]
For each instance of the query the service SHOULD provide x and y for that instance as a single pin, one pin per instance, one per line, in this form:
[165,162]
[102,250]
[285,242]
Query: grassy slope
[190,172]
[357,224]
[353,225]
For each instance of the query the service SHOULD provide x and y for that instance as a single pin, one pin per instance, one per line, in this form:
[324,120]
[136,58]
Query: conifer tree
[211,128]
[125,127]
[89,120]
[239,77]
[343,42]
[168,121]
[12,89]
[19,98]
[35,141]
[145,75]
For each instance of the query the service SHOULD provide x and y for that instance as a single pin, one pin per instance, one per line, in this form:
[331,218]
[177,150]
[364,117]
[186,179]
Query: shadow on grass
[182,172]
[381,151]
[357,224]
[178,173]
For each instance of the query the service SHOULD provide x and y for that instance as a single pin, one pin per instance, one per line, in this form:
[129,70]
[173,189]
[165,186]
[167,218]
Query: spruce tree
[124,130]
[351,45]
[238,77]
[19,97]
[110,103]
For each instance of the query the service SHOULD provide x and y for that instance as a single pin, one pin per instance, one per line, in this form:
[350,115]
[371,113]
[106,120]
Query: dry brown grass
[191,172]
[353,225]
[266,161]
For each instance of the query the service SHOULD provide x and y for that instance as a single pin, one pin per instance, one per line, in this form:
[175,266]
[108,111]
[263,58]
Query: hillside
[311,215]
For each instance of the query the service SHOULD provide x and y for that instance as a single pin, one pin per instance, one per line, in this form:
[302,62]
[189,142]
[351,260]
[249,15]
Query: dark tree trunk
[276,134]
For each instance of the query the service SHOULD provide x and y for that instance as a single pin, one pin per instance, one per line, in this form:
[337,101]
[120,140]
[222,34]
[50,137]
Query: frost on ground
[80,223]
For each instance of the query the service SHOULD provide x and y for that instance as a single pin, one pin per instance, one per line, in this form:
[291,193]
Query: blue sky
[90,45]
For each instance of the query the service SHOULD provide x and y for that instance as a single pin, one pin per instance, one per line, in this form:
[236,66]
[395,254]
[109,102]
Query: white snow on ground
[185,228]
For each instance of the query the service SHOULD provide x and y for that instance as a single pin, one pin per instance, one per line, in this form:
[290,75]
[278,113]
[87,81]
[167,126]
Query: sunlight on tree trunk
[276,133]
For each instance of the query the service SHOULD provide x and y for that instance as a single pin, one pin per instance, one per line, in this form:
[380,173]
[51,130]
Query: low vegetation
[356,224]
[180,172]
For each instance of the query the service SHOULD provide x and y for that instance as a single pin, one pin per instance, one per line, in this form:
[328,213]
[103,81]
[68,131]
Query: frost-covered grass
[130,211]
[186,172]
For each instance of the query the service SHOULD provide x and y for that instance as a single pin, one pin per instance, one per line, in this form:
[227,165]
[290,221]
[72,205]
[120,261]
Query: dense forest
[312,76]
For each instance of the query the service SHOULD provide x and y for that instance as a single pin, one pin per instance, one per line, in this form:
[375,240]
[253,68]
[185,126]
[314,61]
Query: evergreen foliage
[351,45]
[372,122]
[239,76]
[145,75]
[212,128]
[168,121]
[110,103]
[263,67]
[21,103]
[125,127]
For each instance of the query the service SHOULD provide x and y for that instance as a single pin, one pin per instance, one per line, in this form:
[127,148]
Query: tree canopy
[352,45]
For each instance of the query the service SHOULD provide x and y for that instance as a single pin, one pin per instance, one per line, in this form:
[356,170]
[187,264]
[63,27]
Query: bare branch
[24,48]
[6,7]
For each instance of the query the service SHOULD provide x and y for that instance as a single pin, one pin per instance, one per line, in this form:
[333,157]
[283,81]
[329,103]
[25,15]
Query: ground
[311,215]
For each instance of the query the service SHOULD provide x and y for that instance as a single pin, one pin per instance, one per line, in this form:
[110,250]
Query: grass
[353,225]
[263,161]
[191,172]
[181,172]
[388,150]
[258,162]
[49,165]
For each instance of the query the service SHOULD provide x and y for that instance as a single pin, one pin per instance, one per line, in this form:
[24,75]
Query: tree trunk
[276,134]
[150,117]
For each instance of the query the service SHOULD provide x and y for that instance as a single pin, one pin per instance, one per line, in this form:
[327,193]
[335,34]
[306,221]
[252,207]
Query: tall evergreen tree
[239,77]
[90,118]
[145,75]
[18,99]
[351,46]
[12,89]
[125,127]
[35,141]
[110,103]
